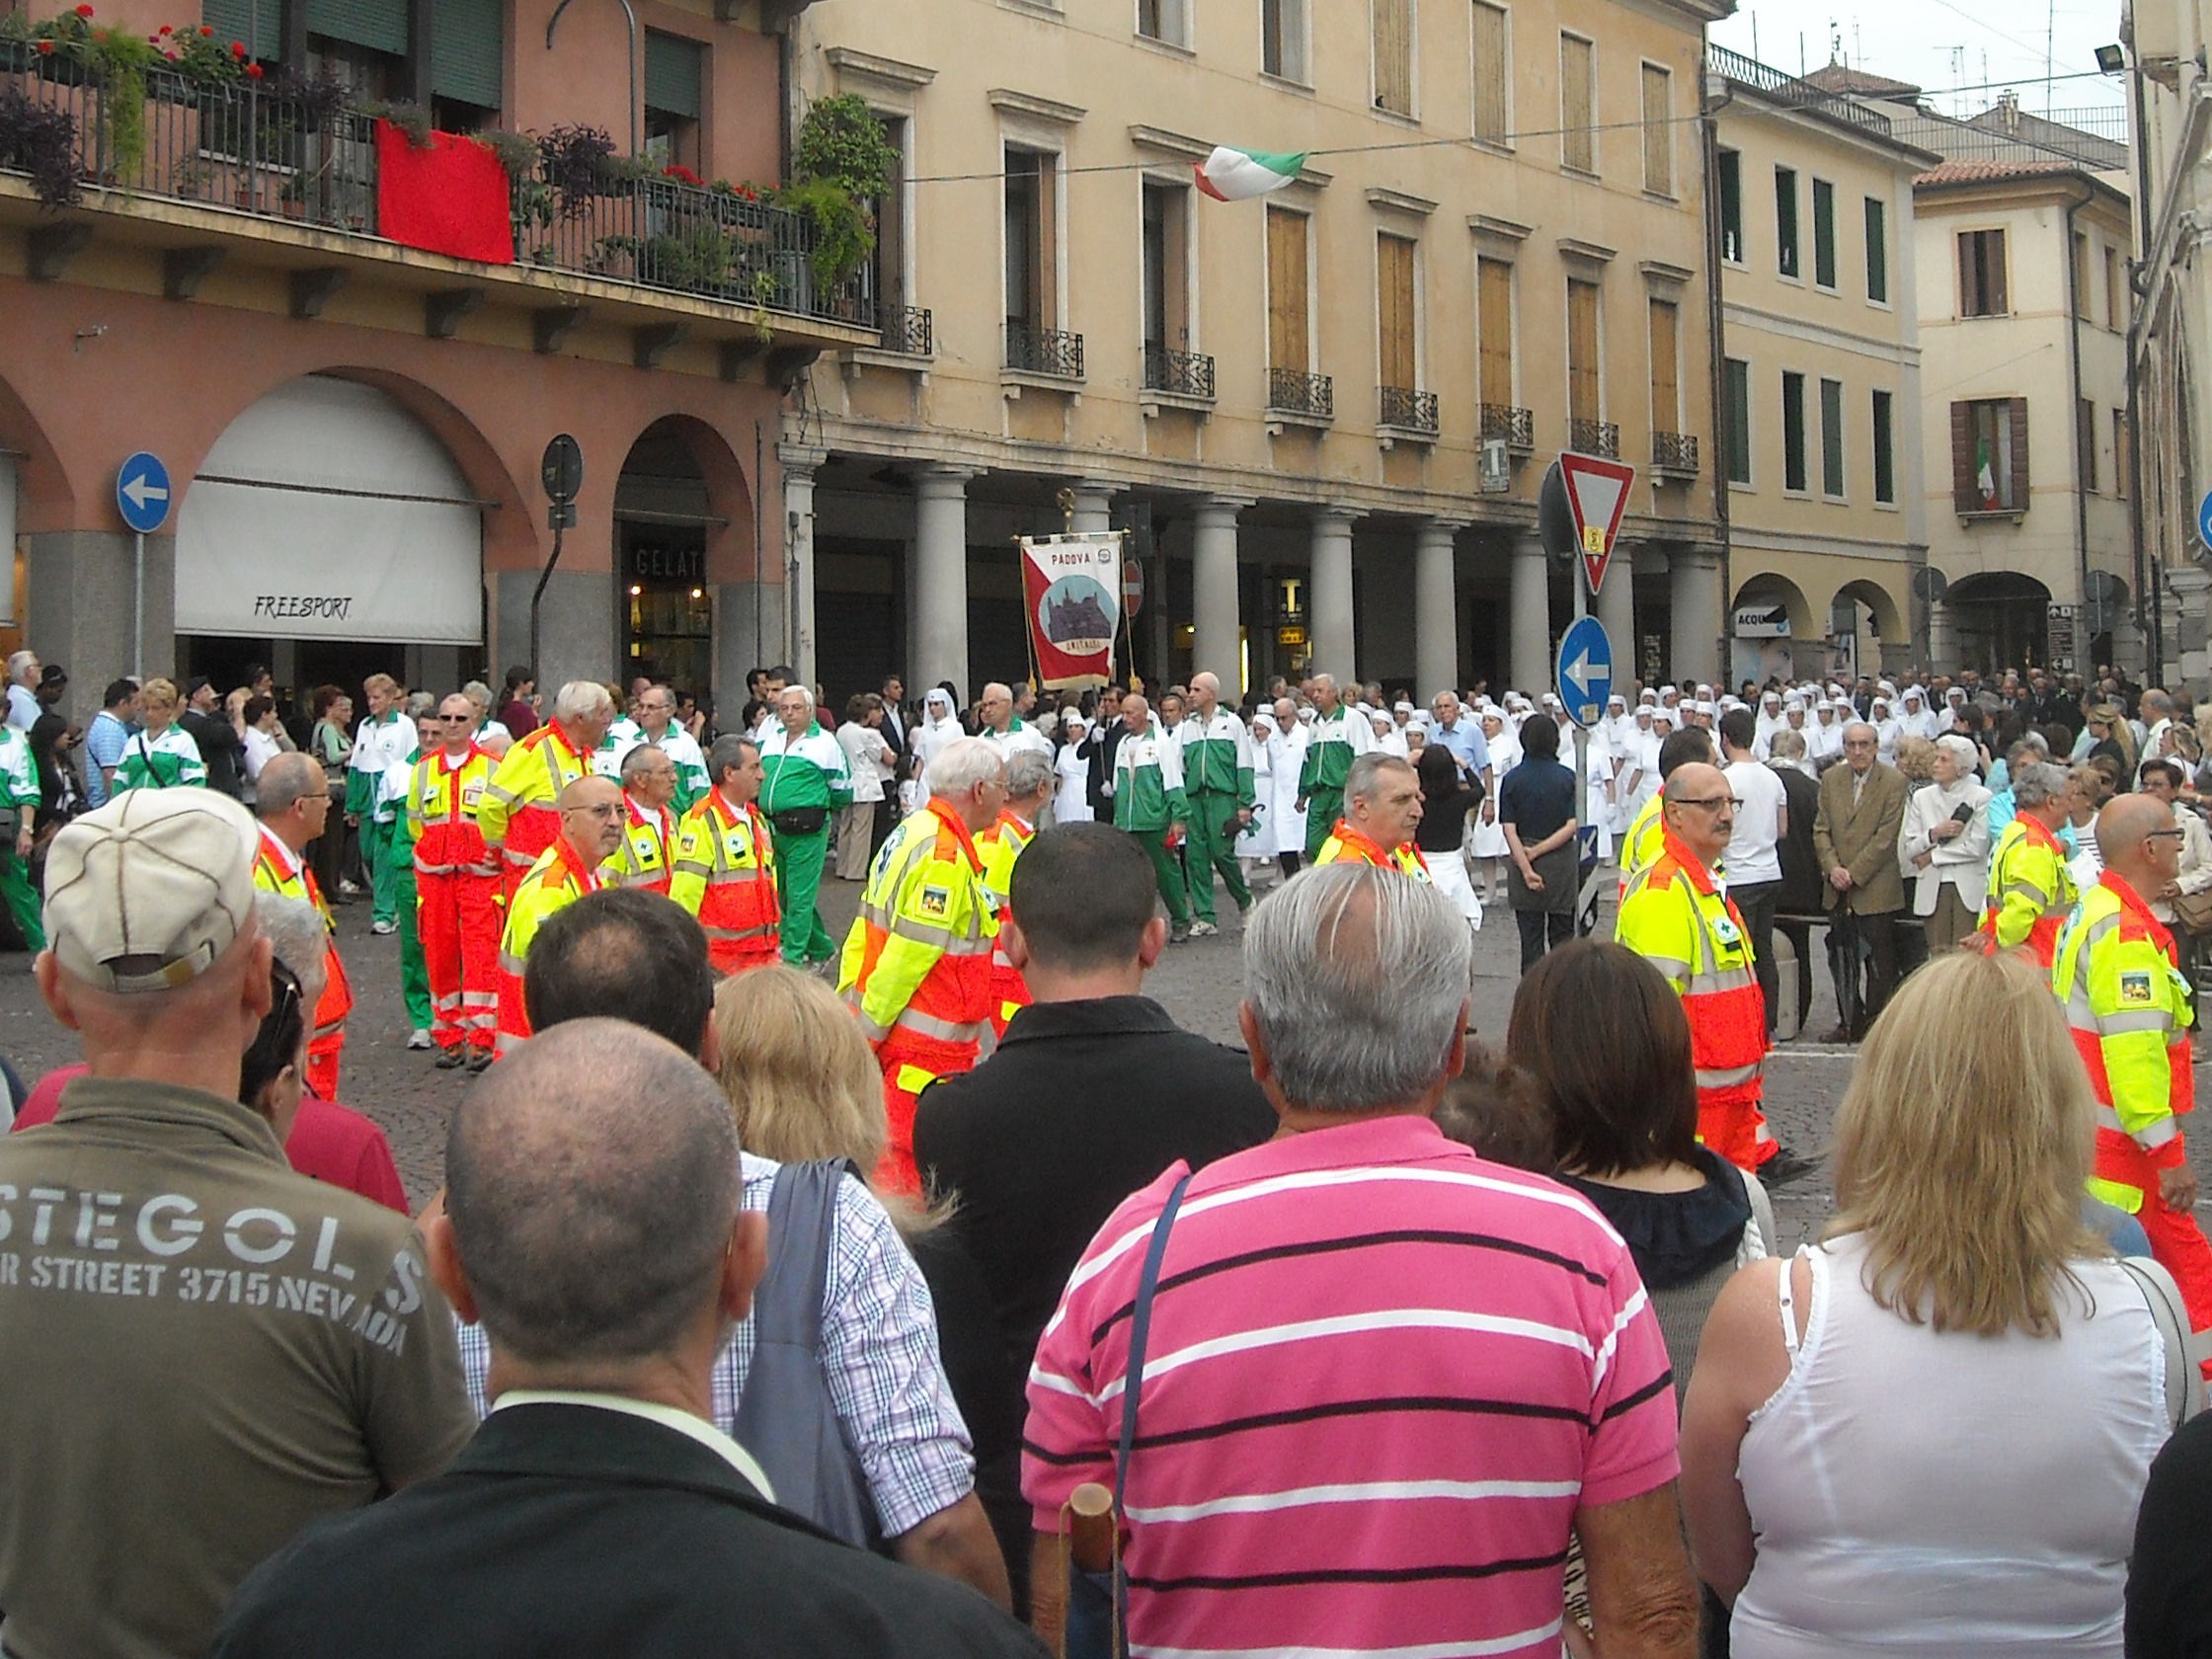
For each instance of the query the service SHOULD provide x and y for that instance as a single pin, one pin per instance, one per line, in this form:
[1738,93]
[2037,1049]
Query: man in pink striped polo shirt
[1384,1379]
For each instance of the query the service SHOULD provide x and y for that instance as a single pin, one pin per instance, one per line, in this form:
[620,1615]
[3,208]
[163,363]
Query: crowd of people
[888,1293]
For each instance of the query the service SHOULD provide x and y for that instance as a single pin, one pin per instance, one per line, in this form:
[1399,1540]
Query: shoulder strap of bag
[801,1210]
[2184,1383]
[1141,1330]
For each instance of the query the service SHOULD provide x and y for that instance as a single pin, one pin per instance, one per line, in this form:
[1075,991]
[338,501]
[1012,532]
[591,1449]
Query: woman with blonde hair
[1929,1432]
[163,754]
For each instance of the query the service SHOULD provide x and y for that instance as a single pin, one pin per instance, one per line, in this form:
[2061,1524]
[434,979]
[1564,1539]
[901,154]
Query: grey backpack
[785,1417]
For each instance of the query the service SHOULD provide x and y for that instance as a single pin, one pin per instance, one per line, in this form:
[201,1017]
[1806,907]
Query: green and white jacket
[1332,743]
[807,770]
[162,762]
[1148,780]
[18,774]
[1217,757]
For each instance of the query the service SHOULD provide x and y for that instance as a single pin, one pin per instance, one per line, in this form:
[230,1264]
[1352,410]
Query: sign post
[561,471]
[142,498]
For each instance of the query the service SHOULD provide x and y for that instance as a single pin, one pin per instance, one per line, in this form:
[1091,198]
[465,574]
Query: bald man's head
[592,817]
[591,1185]
[2123,828]
[1699,809]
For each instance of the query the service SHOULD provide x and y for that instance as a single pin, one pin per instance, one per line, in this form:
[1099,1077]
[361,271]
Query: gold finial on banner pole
[1066,500]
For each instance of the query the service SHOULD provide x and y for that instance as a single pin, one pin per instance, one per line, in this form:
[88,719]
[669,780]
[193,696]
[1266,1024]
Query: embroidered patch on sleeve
[936,900]
[2135,990]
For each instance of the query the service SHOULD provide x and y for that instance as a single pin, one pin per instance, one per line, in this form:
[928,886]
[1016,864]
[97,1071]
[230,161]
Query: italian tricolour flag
[1239,174]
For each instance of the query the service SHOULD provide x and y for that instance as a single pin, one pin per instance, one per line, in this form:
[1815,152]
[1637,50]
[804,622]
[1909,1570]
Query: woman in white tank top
[1929,1432]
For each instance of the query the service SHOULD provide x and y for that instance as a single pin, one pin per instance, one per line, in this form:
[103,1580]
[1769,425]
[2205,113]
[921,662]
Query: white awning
[327,511]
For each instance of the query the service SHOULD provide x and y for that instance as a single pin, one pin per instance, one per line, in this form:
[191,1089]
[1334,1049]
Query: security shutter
[466,47]
[257,23]
[1962,459]
[1395,310]
[1393,56]
[2018,417]
[1286,300]
[379,25]
[672,67]
[1493,299]
[1492,72]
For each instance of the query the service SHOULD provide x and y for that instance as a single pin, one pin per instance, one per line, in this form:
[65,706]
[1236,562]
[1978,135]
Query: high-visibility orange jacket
[556,881]
[274,873]
[443,798]
[917,965]
[643,857]
[2030,892]
[2128,1005]
[520,817]
[1347,846]
[725,874]
[1000,845]
[1681,921]
[1644,841]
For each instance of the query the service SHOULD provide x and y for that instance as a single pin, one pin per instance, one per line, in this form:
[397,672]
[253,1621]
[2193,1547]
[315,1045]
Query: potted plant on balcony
[840,164]
[574,161]
[40,141]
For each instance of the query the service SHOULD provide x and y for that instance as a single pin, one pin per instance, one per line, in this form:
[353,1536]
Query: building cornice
[1574,247]
[1009,102]
[852,63]
[1172,143]
[1497,229]
[1398,201]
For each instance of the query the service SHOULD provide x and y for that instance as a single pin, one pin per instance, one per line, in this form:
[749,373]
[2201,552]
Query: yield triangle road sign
[1597,497]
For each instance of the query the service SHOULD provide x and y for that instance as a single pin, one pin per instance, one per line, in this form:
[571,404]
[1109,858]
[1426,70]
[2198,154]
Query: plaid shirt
[878,1355]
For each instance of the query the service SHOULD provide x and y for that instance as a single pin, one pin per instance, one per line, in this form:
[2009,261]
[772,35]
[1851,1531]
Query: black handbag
[799,821]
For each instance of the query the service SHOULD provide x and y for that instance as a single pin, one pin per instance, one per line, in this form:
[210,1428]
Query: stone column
[1329,600]
[1614,607]
[1094,509]
[940,577]
[1214,593]
[1531,617]
[799,464]
[1436,611]
[1693,582]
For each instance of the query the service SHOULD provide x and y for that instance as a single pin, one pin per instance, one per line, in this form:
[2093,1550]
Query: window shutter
[1666,395]
[1577,144]
[1395,282]
[1494,358]
[1393,56]
[672,74]
[1490,72]
[1582,351]
[467,45]
[235,19]
[1286,305]
[1962,457]
[1658,131]
[2018,415]
[379,25]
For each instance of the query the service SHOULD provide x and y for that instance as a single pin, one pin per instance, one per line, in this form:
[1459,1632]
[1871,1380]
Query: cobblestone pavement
[1199,982]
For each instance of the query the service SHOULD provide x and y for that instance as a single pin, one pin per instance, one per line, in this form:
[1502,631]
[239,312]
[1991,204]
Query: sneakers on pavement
[383,927]
[1179,934]
[1202,930]
[419,1040]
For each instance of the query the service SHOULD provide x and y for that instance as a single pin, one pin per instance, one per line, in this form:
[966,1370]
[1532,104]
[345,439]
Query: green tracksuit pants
[1167,870]
[798,860]
[413,968]
[1213,847]
[22,900]
[379,843]
[1322,808]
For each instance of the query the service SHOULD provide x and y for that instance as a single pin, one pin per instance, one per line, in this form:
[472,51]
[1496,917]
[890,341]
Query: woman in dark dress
[1537,811]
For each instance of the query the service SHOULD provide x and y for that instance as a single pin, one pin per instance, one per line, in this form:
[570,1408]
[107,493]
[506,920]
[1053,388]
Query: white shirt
[22,707]
[1750,845]
[667,1416]
[867,759]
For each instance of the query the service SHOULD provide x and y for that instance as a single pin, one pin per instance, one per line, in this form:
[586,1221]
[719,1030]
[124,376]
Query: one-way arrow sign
[142,493]
[1585,671]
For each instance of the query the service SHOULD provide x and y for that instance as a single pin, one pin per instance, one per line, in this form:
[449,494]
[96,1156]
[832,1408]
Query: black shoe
[450,1058]
[1784,1167]
[1179,934]
[479,1060]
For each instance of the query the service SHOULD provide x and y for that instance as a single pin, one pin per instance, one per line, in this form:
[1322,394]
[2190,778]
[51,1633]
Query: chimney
[2008,110]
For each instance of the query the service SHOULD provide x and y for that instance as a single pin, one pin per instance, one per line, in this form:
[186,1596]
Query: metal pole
[1582,903]
[538,593]
[138,608]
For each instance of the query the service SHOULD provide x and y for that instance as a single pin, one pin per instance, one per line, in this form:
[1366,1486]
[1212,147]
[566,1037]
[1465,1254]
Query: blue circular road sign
[142,493]
[1585,671]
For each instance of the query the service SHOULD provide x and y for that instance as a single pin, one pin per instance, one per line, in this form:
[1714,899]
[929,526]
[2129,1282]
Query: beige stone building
[1820,377]
[1498,234]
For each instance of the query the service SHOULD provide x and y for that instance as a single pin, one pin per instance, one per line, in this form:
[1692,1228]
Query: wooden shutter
[1963,498]
[1582,349]
[235,19]
[1393,56]
[465,51]
[1878,251]
[1491,72]
[1393,280]
[2018,413]
[379,25]
[1658,130]
[1289,308]
[672,74]
[1494,355]
[1577,98]
[1666,392]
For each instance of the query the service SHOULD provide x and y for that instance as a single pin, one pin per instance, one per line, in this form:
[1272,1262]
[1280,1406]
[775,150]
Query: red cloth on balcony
[448,197]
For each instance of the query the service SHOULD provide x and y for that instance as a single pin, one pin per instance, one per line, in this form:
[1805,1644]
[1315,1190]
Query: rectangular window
[1793,432]
[1981,274]
[1886,451]
[466,49]
[1283,39]
[1878,251]
[2124,459]
[1031,285]
[675,70]
[888,261]
[1395,302]
[1393,56]
[1493,73]
[1578,104]
[1666,368]
[379,25]
[1831,439]
[1785,222]
[1493,297]
[1162,19]
[1658,130]
[1585,399]
[1824,234]
[1736,419]
[2084,442]
[1289,304]
[1166,261]
[260,29]
[1732,206]
[1988,455]
[2080,274]
[2115,292]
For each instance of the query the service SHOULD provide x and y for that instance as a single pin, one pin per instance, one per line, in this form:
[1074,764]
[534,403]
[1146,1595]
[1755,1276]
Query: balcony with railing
[1594,437]
[1674,454]
[1785,88]
[300,152]
[1518,426]
[1301,395]
[1179,374]
[1406,411]
[909,331]
[1055,354]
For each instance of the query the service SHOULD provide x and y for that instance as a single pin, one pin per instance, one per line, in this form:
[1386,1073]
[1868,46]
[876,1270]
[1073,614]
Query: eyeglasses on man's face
[1712,802]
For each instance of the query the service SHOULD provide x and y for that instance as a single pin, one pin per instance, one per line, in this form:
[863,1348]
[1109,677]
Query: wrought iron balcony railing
[1518,426]
[1407,410]
[1043,351]
[1292,391]
[1183,373]
[295,151]
[1675,452]
[1594,437]
[908,328]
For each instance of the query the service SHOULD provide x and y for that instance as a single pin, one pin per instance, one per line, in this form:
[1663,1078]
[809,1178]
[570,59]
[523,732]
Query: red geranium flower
[238,48]
[84,11]
[207,29]
[45,48]
[165,28]
[253,71]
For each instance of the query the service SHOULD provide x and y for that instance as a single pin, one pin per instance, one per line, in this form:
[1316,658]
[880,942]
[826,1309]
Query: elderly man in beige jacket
[1855,838]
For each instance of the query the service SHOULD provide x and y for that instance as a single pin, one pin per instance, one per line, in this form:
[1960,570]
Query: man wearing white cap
[225,1348]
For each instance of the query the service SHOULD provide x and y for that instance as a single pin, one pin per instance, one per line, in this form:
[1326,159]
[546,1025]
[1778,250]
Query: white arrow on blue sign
[142,493]
[1585,671]
[2204,520]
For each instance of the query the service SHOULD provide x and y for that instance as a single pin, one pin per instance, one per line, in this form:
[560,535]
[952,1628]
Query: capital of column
[1530,545]
[1431,533]
[1336,518]
[941,480]
[1693,558]
[800,462]
[1223,507]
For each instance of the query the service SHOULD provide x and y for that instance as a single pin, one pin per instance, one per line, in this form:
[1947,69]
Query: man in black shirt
[1092,1093]
[2169,1575]
[221,749]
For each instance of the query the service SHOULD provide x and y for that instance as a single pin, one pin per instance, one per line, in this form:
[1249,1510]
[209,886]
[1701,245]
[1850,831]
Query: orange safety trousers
[459,919]
[2178,1243]
[1728,1031]
[911,1065]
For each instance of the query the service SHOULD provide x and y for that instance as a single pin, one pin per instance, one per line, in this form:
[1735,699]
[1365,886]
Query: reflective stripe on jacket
[519,815]
[724,874]
[442,801]
[1645,840]
[917,965]
[556,881]
[999,846]
[1346,845]
[1680,921]
[273,874]
[2128,1006]
[2029,891]
[643,859]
